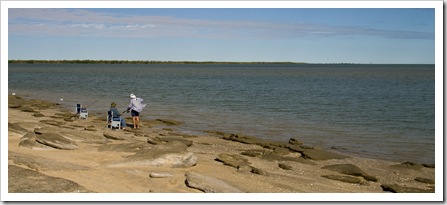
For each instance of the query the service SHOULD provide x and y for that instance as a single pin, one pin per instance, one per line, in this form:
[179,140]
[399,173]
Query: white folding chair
[114,122]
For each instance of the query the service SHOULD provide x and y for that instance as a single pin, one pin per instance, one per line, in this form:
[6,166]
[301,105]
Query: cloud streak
[77,22]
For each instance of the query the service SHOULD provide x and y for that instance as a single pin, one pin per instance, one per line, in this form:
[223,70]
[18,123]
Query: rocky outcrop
[23,180]
[209,184]
[56,141]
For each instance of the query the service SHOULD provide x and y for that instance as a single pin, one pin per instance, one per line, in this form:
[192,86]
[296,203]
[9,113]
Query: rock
[209,184]
[38,114]
[160,175]
[348,179]
[294,141]
[90,128]
[232,160]
[317,154]
[408,165]
[125,147]
[172,154]
[53,122]
[186,142]
[350,169]
[17,128]
[280,151]
[285,166]
[26,109]
[14,105]
[154,141]
[21,180]
[252,153]
[425,180]
[56,141]
[395,188]
[112,134]
[259,171]
[429,165]
[42,163]
[29,141]
[244,168]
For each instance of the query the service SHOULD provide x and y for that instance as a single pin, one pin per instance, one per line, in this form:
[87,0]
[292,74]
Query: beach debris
[41,183]
[396,188]
[56,141]
[350,169]
[209,184]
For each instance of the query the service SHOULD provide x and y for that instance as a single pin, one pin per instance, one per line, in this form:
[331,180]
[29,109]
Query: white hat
[133,96]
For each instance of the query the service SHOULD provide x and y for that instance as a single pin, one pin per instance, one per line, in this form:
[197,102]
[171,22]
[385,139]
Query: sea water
[376,111]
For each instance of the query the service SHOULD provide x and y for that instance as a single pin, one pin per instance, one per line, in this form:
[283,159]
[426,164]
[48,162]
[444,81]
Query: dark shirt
[115,112]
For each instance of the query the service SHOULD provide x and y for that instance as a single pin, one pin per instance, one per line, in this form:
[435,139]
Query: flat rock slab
[21,180]
[319,154]
[395,188]
[348,179]
[350,169]
[40,163]
[56,141]
[172,154]
[232,160]
[209,184]
[29,141]
[114,135]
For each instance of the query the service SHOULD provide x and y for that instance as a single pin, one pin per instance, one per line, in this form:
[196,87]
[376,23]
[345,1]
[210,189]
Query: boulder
[209,184]
[56,141]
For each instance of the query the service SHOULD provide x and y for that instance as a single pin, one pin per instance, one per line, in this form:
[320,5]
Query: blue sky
[317,35]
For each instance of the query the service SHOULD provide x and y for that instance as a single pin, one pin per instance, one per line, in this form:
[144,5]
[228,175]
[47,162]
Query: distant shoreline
[138,62]
[184,62]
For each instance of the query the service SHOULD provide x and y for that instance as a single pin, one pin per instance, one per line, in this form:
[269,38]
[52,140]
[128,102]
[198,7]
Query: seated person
[116,114]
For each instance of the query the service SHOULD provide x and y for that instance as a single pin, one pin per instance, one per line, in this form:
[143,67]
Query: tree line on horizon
[138,62]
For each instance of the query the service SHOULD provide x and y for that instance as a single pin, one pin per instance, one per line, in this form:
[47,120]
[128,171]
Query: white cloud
[66,22]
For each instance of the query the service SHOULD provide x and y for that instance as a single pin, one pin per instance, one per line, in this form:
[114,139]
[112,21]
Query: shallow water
[377,111]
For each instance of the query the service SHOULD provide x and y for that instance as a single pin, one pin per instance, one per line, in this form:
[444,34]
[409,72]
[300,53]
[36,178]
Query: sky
[311,35]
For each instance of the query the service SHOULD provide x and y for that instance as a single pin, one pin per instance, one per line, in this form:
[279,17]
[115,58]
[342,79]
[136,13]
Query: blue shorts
[135,113]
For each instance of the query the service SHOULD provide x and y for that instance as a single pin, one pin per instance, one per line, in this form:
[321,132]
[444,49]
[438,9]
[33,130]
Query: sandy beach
[51,150]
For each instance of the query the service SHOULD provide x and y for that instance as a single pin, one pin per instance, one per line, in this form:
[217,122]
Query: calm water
[377,111]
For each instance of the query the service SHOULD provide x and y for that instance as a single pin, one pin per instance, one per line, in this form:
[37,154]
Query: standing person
[115,114]
[136,106]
